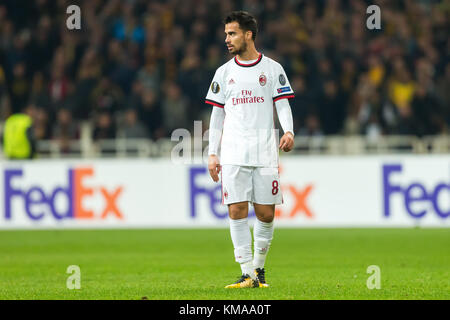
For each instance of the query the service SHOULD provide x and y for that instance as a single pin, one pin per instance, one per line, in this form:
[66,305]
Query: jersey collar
[248,65]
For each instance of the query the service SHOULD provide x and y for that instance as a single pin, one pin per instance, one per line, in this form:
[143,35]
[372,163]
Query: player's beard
[241,50]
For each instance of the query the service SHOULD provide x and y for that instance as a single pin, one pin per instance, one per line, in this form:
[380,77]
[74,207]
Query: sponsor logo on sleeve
[284,89]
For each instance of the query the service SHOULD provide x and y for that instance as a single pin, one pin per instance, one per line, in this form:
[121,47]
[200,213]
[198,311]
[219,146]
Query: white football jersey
[247,93]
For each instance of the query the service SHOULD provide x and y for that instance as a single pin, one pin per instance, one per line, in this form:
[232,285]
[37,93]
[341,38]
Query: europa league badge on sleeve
[215,88]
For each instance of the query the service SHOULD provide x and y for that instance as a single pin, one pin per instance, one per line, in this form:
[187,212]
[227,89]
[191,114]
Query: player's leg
[236,189]
[263,235]
[241,236]
[267,193]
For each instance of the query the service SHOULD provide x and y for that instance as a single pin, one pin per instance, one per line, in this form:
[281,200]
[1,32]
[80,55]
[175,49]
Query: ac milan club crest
[262,80]
[225,194]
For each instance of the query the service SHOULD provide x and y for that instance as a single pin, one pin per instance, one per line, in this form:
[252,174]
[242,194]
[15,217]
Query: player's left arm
[285,117]
[281,93]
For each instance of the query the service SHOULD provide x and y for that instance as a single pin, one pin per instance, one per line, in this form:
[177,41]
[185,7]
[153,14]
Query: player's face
[235,38]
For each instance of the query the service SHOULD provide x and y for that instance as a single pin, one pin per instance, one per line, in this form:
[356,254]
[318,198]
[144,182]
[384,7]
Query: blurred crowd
[142,68]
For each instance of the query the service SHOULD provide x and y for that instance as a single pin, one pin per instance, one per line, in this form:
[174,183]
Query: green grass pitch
[198,263]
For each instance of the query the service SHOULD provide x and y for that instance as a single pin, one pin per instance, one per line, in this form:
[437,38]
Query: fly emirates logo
[247,98]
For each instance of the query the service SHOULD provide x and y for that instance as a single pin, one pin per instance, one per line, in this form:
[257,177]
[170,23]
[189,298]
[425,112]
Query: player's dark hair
[246,21]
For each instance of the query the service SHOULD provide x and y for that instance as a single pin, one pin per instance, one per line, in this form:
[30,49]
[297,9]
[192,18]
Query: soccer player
[243,93]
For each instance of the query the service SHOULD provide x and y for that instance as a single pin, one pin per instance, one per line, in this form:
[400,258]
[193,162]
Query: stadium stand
[139,69]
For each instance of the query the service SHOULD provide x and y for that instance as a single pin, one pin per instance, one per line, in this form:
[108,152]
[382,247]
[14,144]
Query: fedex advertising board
[327,191]
[373,191]
[92,194]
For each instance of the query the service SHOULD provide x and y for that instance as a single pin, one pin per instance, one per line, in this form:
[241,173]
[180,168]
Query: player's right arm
[216,99]
[215,135]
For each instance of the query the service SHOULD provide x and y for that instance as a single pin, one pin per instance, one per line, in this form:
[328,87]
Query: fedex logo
[214,194]
[300,197]
[414,192]
[38,203]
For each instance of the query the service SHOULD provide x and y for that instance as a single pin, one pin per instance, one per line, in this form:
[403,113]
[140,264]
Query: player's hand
[214,167]
[287,142]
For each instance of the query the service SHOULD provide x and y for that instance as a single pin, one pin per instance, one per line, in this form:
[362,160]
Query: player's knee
[266,217]
[238,210]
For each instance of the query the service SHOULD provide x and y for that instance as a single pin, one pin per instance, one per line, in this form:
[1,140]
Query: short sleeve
[216,96]
[282,88]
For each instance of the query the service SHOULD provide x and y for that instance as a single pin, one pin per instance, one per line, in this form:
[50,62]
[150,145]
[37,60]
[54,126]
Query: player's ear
[248,35]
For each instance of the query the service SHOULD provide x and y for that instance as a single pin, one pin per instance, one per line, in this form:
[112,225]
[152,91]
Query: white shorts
[259,185]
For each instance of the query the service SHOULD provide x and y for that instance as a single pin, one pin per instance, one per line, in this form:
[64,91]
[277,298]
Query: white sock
[263,234]
[242,242]
[247,268]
